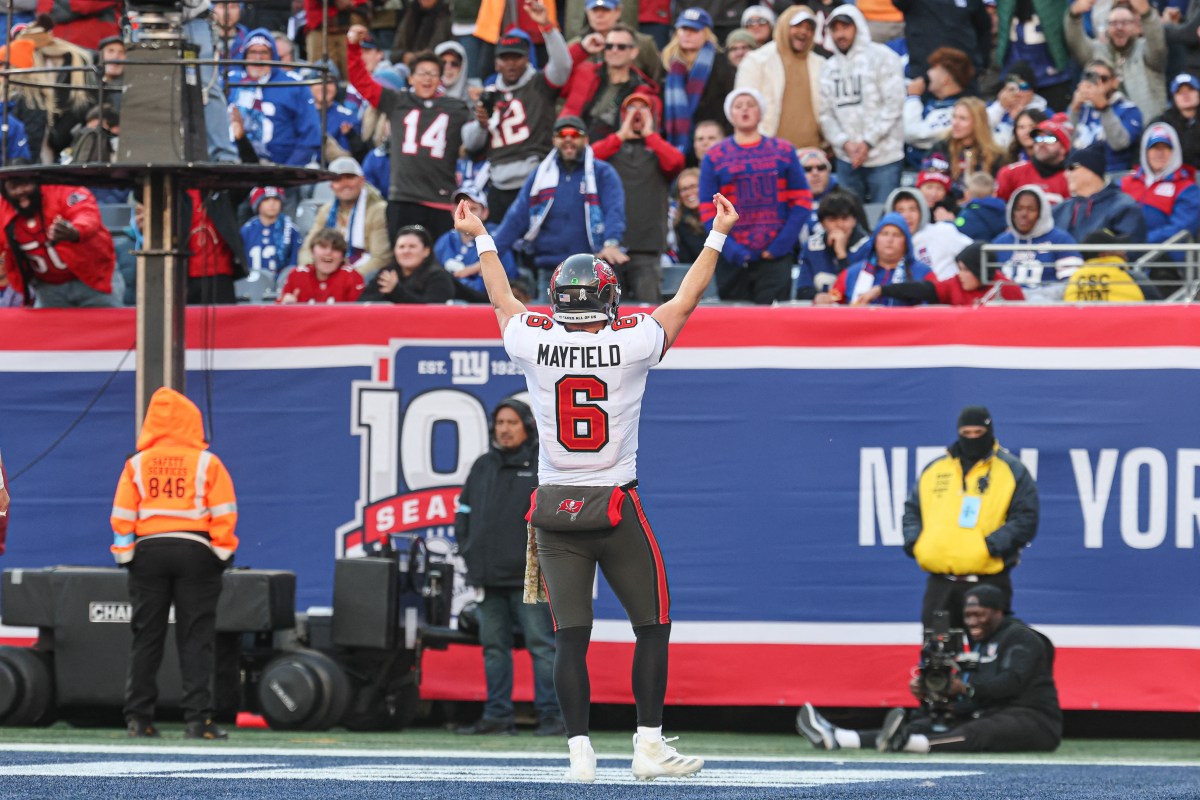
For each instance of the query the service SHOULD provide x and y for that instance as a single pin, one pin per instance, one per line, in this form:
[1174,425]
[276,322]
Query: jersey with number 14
[426,138]
[586,390]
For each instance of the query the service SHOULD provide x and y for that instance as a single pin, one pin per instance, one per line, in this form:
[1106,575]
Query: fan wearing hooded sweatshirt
[280,117]
[173,521]
[1040,273]
[1164,188]
[862,102]
[935,243]
[787,71]
[888,261]
[457,87]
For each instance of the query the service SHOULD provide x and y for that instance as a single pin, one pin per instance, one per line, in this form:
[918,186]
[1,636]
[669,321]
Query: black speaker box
[162,110]
[365,602]
[92,639]
[257,600]
[27,598]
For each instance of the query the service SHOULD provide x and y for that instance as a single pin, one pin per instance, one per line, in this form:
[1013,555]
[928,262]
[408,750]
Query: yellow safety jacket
[935,533]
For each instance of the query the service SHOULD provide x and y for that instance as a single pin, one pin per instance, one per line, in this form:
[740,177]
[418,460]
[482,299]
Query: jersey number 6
[582,425]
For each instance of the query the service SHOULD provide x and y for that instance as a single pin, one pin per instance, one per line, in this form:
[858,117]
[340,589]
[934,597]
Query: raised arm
[673,313]
[494,278]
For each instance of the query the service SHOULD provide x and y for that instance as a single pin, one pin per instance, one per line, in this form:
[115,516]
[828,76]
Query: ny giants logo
[422,421]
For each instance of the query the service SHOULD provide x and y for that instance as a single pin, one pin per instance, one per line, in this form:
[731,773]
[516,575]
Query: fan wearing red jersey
[585,369]
[56,246]
[329,279]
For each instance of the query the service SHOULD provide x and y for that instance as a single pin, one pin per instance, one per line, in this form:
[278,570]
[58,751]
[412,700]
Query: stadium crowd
[870,148]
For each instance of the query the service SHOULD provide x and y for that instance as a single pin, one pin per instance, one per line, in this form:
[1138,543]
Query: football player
[585,368]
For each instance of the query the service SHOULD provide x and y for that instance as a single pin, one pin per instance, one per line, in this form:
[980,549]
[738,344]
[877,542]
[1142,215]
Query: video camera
[943,656]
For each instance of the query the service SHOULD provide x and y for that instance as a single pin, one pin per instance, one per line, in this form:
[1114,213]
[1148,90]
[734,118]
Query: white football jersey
[585,390]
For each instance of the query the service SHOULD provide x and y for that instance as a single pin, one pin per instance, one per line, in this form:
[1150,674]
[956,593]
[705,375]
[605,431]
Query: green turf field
[703,743]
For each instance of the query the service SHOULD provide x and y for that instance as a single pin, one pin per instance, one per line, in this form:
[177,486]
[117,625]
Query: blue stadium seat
[306,215]
[673,276]
[116,216]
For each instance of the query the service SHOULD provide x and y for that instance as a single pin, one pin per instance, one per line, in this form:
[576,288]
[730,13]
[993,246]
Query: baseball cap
[603,3]
[345,166]
[1184,79]
[1158,135]
[803,15]
[368,44]
[570,122]
[932,176]
[985,596]
[758,12]
[326,69]
[261,193]
[471,192]
[696,19]
[512,45]
[107,40]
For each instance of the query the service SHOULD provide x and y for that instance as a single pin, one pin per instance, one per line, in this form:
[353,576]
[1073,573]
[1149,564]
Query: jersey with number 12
[586,390]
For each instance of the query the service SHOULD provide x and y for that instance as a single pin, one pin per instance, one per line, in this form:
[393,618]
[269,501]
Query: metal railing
[1170,268]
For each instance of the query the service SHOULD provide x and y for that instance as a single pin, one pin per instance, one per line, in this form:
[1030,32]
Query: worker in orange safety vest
[173,521]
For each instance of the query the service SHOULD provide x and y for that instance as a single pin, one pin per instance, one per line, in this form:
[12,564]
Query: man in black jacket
[1182,115]
[492,538]
[1007,703]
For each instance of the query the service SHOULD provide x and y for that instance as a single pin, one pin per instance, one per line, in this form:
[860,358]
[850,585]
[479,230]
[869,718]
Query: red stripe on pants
[660,569]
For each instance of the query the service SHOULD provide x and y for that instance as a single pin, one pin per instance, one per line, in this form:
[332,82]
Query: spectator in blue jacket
[342,123]
[281,120]
[837,243]
[270,238]
[16,141]
[1042,274]
[1164,187]
[377,167]
[572,203]
[456,251]
[982,216]
[890,259]
[1100,113]
[1095,203]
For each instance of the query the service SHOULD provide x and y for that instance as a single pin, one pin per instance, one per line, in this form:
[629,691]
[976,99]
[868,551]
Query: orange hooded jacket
[174,486]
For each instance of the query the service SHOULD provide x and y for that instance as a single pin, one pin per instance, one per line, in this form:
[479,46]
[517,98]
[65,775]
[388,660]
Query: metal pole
[161,293]
[8,25]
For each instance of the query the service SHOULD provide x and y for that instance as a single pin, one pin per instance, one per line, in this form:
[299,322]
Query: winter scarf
[682,95]
[545,184]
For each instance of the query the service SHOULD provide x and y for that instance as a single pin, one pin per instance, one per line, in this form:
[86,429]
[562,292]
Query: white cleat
[658,760]
[583,763]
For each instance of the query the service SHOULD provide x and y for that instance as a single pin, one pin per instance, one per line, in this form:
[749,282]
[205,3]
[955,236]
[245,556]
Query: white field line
[267,751]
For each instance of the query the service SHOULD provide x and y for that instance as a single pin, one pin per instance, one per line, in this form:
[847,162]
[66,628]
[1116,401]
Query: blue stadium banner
[777,448]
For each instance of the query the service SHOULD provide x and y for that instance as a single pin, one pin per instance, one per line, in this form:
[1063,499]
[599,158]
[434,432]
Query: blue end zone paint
[186,772]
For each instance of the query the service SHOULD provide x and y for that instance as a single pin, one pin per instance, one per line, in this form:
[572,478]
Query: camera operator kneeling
[1006,703]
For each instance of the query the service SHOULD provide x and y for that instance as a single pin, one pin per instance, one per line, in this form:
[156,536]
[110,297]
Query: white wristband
[485,244]
[715,240]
